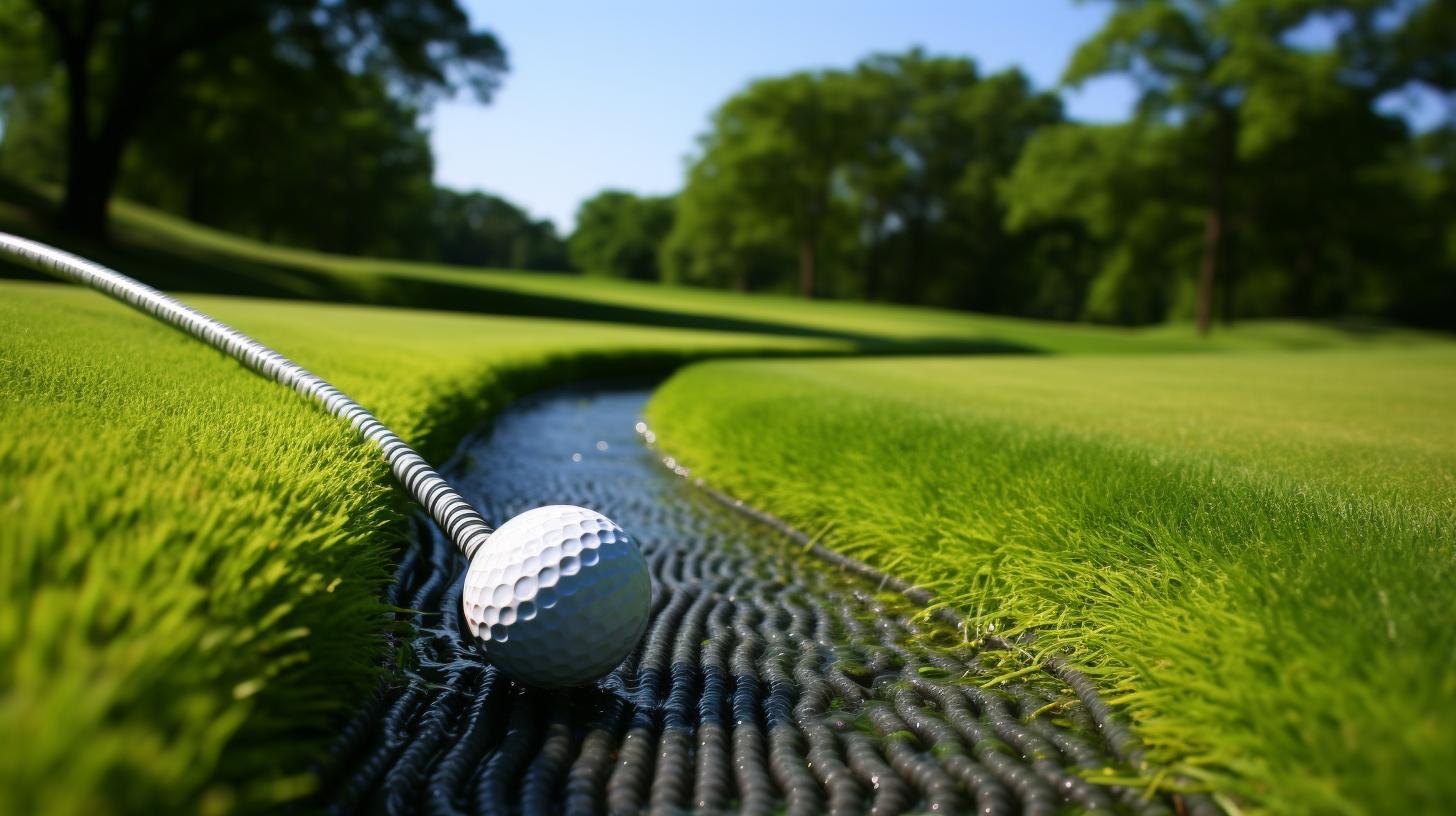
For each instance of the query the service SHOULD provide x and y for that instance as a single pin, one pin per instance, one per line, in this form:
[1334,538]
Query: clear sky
[613,94]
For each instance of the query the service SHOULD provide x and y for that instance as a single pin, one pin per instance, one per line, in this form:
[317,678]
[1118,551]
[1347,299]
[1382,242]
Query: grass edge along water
[194,557]
[1251,553]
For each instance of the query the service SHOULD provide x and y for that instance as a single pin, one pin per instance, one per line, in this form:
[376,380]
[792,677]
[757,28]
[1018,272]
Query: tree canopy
[1262,173]
[618,234]
[876,182]
[1300,181]
[479,229]
[303,135]
[124,66]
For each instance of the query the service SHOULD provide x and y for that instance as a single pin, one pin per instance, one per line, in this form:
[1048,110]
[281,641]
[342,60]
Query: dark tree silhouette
[119,55]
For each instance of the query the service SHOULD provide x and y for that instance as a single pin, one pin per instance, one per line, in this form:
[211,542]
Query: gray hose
[466,528]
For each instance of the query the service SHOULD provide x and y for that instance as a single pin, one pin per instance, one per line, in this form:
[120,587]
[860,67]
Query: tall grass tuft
[1254,555]
[191,558]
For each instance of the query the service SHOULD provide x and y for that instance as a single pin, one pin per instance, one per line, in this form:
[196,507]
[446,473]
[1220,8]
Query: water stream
[769,680]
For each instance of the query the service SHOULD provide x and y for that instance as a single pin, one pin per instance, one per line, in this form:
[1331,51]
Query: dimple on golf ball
[558,596]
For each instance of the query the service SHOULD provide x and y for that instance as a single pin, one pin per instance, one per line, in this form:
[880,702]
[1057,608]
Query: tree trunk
[84,209]
[1215,233]
[1230,275]
[95,143]
[873,271]
[196,204]
[92,167]
[81,210]
[915,276]
[1208,268]
[806,268]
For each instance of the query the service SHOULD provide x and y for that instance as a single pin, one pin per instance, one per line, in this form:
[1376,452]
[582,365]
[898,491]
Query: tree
[1283,137]
[1425,293]
[479,229]
[1196,63]
[937,140]
[618,234]
[1119,195]
[880,182]
[1337,215]
[271,151]
[775,149]
[118,57]
[1177,53]
[712,243]
[28,111]
[1414,49]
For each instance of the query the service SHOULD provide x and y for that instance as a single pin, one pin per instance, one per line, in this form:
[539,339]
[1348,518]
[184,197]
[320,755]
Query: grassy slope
[176,255]
[115,397]
[1255,552]
[191,557]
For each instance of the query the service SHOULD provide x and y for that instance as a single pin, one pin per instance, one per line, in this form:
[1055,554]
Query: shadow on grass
[179,267]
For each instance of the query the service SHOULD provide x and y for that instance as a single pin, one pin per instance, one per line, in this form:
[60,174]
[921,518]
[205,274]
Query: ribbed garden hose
[466,528]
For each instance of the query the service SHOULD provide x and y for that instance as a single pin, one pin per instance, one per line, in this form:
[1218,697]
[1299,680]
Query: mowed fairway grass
[191,557]
[176,255]
[1255,554]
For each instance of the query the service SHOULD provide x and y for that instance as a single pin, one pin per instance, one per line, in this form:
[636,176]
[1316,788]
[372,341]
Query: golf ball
[558,596]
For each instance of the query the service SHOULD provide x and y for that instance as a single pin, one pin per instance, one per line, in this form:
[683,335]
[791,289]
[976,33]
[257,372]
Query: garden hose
[466,528]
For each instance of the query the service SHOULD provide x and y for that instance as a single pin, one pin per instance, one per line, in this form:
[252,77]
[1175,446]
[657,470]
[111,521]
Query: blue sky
[613,94]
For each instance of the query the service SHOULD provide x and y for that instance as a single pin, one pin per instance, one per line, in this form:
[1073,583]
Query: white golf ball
[558,596]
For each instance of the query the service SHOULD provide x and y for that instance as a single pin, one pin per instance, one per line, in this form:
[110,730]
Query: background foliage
[1262,174]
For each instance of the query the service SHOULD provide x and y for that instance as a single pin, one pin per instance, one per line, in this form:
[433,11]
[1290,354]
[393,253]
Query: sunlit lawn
[1254,553]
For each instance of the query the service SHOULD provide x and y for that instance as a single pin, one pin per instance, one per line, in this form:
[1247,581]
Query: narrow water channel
[769,681]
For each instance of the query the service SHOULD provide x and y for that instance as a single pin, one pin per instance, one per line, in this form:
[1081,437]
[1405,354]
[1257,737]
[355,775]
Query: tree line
[292,121]
[1261,173]
[1260,176]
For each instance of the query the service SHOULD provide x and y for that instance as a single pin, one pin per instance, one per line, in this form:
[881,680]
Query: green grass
[176,255]
[1255,554]
[191,557]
